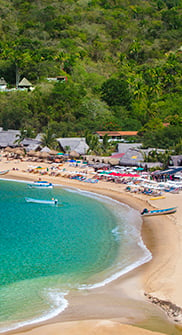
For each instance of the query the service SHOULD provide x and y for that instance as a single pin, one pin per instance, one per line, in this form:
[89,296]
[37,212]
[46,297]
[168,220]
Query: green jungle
[122,60]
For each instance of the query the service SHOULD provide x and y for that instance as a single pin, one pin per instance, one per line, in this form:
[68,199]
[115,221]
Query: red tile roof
[117,133]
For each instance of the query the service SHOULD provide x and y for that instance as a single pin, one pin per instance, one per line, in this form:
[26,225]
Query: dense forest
[122,60]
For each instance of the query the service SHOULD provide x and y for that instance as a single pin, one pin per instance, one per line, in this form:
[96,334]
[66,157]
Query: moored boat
[146,212]
[41,184]
[40,201]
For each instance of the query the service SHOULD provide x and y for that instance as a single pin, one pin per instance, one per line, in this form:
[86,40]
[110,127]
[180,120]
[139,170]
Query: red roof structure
[117,155]
[116,133]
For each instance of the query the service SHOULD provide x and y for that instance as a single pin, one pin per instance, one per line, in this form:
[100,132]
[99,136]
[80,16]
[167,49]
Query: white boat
[146,212]
[41,184]
[40,201]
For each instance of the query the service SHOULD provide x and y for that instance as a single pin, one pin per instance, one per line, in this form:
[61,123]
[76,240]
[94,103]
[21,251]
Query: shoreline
[143,280]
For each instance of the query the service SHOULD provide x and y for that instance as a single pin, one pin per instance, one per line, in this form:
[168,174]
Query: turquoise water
[46,250]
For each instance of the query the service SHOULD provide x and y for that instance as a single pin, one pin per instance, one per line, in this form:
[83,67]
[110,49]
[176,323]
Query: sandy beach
[151,292]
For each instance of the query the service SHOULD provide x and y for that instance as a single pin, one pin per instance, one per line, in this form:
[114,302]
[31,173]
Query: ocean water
[46,251]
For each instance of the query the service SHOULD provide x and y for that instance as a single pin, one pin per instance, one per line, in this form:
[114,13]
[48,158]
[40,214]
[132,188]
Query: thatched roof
[31,153]
[74,154]
[18,151]
[8,138]
[45,149]
[24,83]
[53,152]
[77,144]
[114,161]
[8,149]
[124,147]
[31,144]
[132,158]
[44,154]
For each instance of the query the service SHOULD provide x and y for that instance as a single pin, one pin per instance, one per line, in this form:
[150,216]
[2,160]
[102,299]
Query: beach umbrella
[139,168]
[31,153]
[45,149]
[114,161]
[60,154]
[18,151]
[44,154]
[37,154]
[8,149]
[53,152]
[74,154]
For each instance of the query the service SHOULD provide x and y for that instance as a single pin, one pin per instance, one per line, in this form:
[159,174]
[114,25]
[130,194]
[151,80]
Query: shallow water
[47,250]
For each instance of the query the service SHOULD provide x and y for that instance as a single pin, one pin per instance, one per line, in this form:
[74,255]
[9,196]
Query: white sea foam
[57,302]
[146,258]
[134,230]
[116,233]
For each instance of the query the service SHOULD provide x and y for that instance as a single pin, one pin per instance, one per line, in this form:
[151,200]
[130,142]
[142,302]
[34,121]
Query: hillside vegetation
[122,58]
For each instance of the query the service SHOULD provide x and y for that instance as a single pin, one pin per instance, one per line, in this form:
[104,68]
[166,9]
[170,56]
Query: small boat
[41,184]
[45,202]
[146,212]
[4,172]
[159,197]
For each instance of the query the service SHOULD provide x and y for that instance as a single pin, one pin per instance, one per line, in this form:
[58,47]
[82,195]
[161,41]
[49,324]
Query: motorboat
[41,201]
[41,184]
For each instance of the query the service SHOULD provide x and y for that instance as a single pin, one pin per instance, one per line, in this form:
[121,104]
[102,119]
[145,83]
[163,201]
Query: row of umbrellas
[40,154]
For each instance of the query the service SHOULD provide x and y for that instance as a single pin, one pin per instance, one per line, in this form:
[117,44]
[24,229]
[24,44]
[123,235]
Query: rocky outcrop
[173,311]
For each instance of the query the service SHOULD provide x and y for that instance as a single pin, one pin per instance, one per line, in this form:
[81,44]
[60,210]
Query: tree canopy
[122,60]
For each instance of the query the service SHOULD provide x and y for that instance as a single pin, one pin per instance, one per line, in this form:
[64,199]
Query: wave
[57,303]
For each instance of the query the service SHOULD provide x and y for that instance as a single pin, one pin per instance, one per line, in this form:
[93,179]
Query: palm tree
[93,142]
[49,139]
[24,133]
[105,143]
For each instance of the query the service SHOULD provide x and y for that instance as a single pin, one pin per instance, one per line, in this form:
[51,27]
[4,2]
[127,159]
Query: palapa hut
[31,153]
[53,152]
[114,161]
[74,154]
[8,149]
[24,84]
[44,154]
[18,151]
[45,149]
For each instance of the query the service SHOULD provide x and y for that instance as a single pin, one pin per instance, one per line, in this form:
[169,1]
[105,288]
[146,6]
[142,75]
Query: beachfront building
[176,160]
[116,135]
[122,148]
[60,79]
[70,144]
